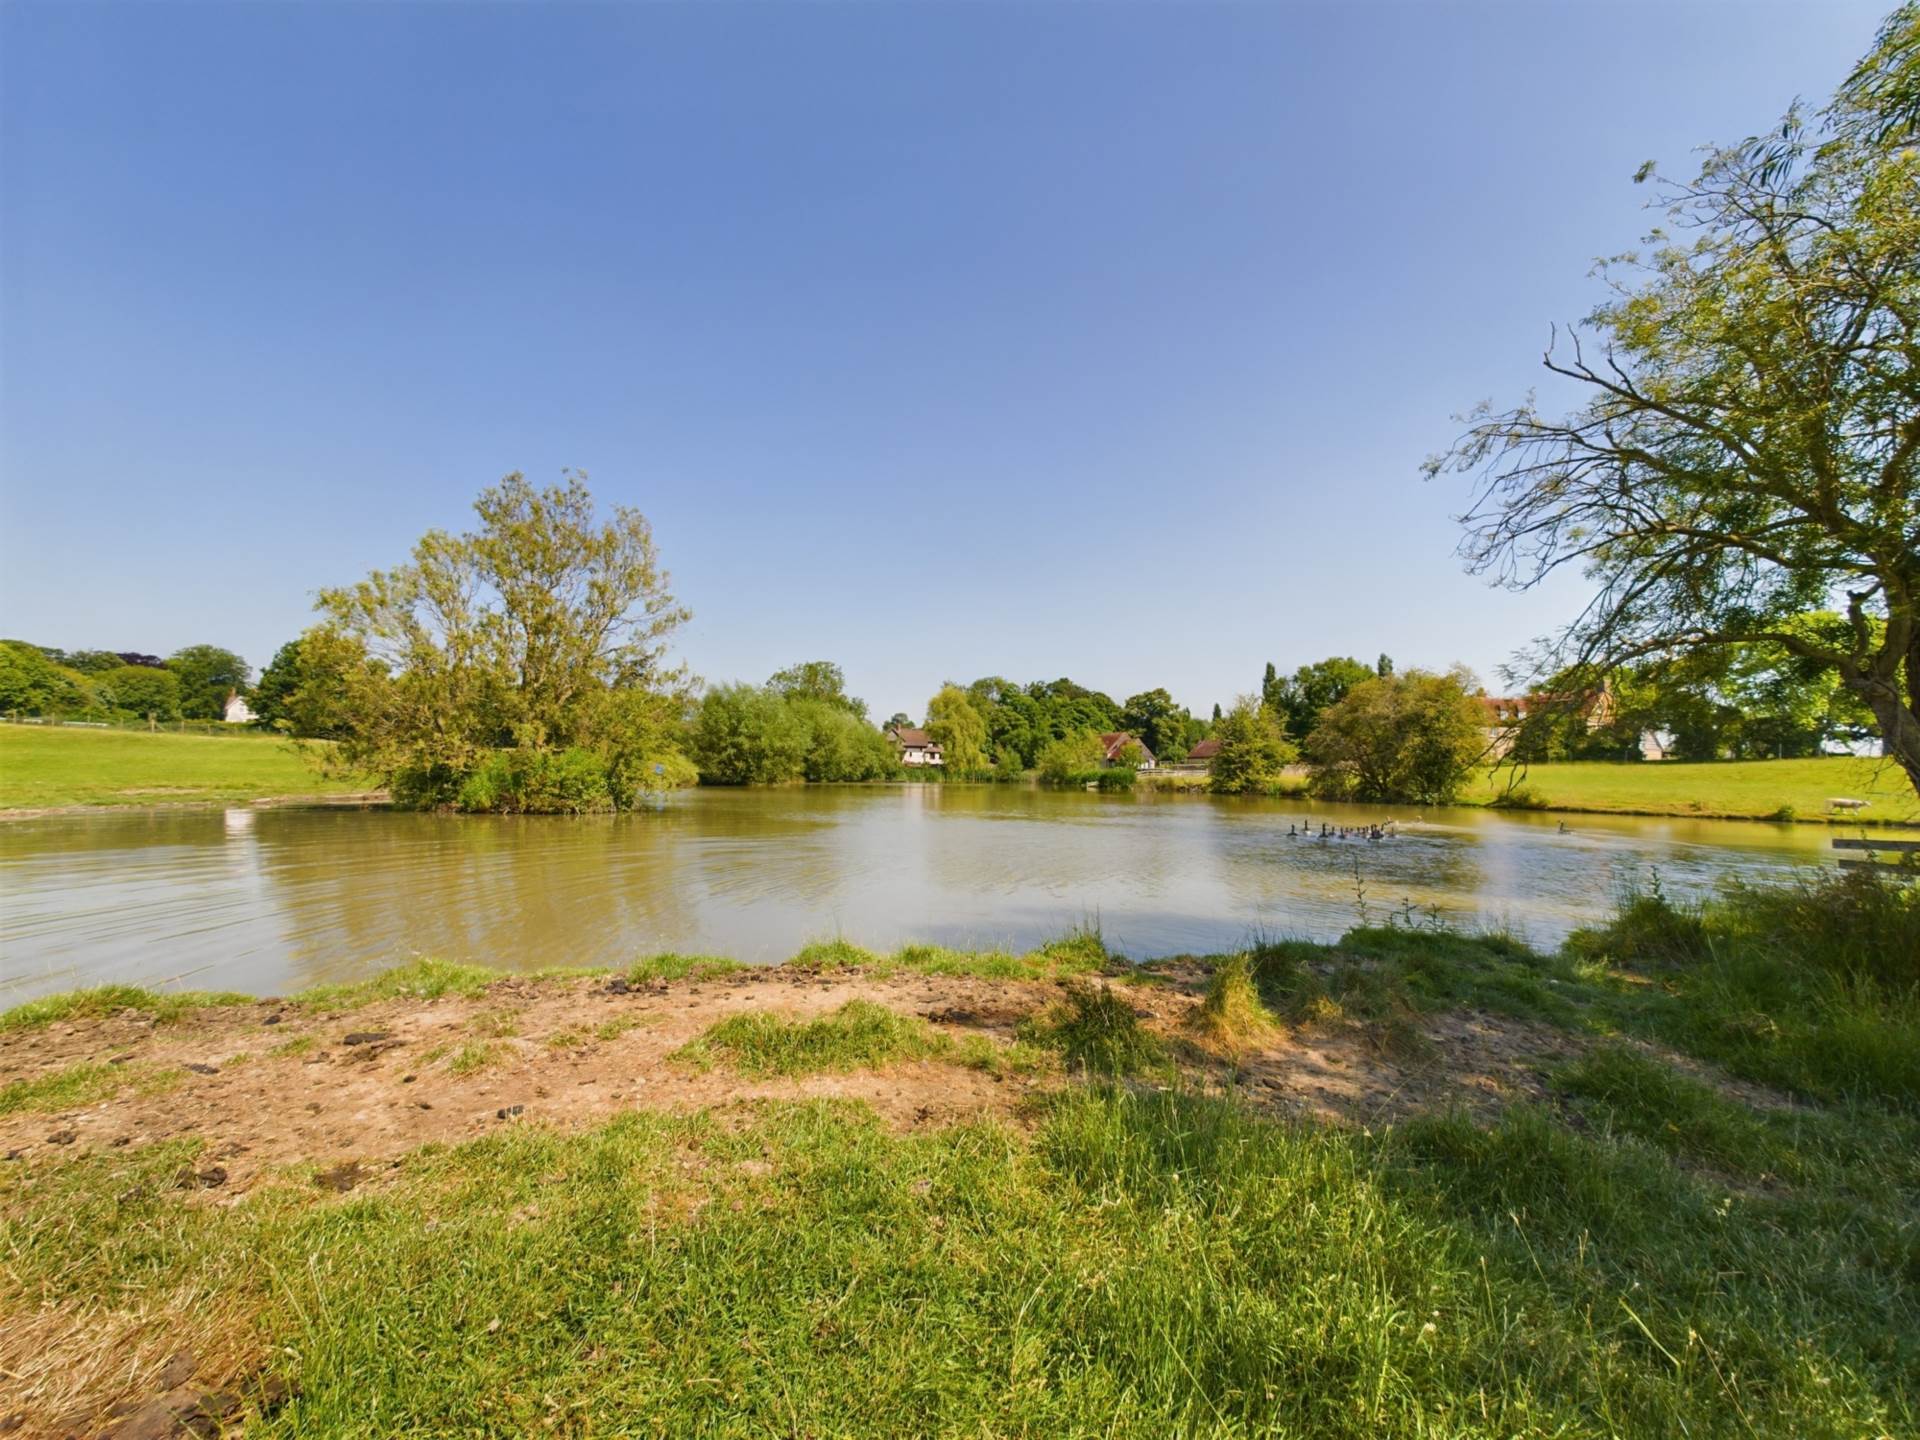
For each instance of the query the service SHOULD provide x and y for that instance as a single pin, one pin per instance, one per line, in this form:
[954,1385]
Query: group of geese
[1375,831]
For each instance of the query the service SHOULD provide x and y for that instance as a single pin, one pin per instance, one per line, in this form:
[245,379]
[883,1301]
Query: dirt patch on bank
[267,1086]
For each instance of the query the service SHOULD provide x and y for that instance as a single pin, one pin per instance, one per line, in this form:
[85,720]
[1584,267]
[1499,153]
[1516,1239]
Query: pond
[269,900]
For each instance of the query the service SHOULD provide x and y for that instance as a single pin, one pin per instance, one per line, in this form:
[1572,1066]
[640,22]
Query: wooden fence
[1907,853]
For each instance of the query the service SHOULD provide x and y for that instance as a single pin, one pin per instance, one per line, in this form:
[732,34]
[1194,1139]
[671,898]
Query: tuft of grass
[614,1028]
[422,979]
[1097,1032]
[670,965]
[833,955]
[495,1024]
[100,1001]
[475,1056]
[85,1084]
[65,1089]
[1230,1016]
[857,1036]
[300,1045]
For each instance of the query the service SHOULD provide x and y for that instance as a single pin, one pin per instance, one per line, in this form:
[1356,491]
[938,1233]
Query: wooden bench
[1908,851]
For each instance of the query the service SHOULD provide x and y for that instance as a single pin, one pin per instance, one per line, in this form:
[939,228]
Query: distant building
[238,712]
[1114,741]
[1203,753]
[1505,714]
[916,747]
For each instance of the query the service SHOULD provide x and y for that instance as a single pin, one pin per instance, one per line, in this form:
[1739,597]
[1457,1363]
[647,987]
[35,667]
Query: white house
[237,711]
[916,747]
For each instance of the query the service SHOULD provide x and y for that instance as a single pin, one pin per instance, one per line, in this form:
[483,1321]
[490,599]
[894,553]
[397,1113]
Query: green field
[1740,789]
[42,767]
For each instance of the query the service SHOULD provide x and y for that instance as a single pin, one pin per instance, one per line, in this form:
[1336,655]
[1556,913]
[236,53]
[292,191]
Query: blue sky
[1096,340]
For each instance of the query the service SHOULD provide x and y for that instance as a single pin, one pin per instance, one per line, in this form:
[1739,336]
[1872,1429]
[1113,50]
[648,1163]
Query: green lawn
[1745,789]
[43,767]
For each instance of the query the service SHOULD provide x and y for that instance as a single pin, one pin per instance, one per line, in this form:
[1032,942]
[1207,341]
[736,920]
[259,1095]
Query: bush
[1520,797]
[537,782]
[1253,754]
[1411,738]
[1097,1031]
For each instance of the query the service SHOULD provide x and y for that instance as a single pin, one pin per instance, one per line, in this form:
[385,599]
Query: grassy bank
[1693,1211]
[47,767]
[1723,789]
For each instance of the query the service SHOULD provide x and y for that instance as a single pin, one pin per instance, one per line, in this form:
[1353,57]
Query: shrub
[537,782]
[1520,797]
[1231,1015]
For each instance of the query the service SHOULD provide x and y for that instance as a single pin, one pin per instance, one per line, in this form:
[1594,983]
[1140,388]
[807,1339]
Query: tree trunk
[1899,725]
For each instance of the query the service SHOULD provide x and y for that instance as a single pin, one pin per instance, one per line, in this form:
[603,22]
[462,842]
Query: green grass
[1647,1252]
[103,1000]
[423,979]
[475,1056]
[1096,1032]
[42,767]
[1741,789]
[1144,1265]
[672,966]
[859,1035]
[84,1084]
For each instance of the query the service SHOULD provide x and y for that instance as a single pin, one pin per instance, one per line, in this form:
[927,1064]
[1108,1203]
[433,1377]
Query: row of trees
[995,724]
[191,684]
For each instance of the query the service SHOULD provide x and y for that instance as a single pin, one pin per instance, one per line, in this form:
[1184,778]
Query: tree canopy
[1410,737]
[207,676]
[1746,450]
[544,630]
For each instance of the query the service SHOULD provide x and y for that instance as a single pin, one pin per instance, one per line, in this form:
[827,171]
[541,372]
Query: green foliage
[820,680]
[207,676]
[304,691]
[140,690]
[1254,752]
[1073,759]
[1299,700]
[1410,738]
[31,684]
[1742,392]
[1160,724]
[748,735]
[961,731]
[1022,719]
[537,782]
[544,630]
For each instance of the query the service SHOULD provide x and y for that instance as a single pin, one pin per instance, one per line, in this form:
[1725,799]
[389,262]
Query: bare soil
[266,1086]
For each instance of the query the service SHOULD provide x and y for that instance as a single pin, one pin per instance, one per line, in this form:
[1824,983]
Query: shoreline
[381,800]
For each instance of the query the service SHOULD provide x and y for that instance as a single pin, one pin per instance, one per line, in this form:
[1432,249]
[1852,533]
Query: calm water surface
[272,900]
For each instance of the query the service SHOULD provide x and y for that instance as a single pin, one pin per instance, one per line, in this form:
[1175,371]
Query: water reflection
[274,899]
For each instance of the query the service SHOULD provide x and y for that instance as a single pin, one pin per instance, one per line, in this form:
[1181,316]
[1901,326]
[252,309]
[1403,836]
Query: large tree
[957,724]
[1746,450]
[207,676]
[543,630]
[1410,738]
[817,680]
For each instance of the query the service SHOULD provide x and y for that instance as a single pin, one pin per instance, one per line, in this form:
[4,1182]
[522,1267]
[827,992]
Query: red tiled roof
[909,735]
[1205,750]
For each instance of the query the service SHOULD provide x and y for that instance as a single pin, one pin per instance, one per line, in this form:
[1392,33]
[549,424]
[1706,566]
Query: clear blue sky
[1088,339]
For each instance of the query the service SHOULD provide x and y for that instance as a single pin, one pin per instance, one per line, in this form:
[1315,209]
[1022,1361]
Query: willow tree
[1744,452]
[542,632]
